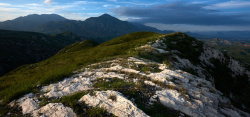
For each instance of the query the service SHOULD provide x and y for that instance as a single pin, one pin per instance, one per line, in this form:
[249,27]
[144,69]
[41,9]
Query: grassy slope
[23,79]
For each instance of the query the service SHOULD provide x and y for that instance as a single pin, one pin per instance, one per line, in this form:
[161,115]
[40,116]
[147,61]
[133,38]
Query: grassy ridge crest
[26,78]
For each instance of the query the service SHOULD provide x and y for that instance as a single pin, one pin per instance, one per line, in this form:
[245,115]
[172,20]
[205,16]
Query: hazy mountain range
[228,35]
[100,28]
[30,22]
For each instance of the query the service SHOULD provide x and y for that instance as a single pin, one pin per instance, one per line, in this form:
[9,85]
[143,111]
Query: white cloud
[48,2]
[229,5]
[5,4]
[106,5]
[34,4]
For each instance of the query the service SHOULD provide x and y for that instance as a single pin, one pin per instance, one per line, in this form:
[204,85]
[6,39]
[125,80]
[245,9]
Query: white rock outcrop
[210,53]
[67,86]
[120,106]
[238,68]
[54,110]
[28,103]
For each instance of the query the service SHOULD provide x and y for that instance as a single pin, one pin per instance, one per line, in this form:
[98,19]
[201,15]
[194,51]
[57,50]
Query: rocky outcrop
[54,110]
[28,103]
[114,102]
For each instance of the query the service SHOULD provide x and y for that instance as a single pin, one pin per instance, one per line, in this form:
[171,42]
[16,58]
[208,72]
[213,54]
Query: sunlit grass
[23,79]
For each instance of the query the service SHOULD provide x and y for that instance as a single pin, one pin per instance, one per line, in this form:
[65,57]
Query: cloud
[48,2]
[34,4]
[229,5]
[181,13]
[5,4]
[106,5]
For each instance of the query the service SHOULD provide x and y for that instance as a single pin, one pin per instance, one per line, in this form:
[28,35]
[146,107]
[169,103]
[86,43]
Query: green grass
[149,68]
[23,79]
[78,46]
[114,84]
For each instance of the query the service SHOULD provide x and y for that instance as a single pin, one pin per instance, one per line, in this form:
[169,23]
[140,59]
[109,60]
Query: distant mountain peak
[106,15]
[42,16]
[30,22]
[103,17]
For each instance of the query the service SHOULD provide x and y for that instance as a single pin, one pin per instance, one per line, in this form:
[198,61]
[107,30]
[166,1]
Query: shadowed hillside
[19,48]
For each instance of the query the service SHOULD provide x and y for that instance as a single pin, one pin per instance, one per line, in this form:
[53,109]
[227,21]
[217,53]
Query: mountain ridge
[100,29]
[62,27]
[29,22]
[146,70]
[104,26]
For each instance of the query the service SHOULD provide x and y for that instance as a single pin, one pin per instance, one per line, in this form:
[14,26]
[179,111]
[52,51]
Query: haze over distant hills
[104,26]
[100,28]
[230,35]
[30,22]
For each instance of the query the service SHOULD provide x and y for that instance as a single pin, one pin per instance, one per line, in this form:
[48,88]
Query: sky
[177,15]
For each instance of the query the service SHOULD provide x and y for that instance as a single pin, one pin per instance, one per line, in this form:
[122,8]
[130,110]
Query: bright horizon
[188,15]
